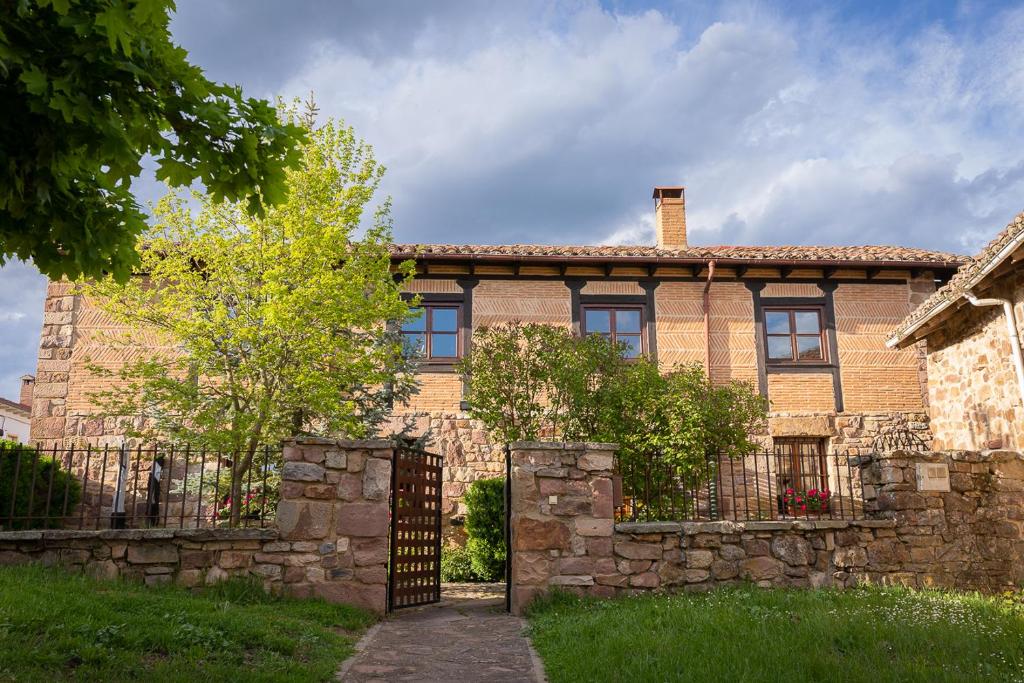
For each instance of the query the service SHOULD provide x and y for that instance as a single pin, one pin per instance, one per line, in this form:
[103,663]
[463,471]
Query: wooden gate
[414,569]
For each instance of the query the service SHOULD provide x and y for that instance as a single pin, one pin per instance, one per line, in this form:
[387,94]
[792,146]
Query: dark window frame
[427,357]
[793,454]
[793,335]
[612,332]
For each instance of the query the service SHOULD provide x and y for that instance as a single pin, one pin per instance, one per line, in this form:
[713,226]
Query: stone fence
[932,519]
[330,539]
[923,529]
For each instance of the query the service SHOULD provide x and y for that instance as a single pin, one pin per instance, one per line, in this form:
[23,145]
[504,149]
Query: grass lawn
[747,634]
[59,626]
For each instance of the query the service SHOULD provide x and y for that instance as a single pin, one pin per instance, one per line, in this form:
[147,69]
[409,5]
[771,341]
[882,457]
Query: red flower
[803,508]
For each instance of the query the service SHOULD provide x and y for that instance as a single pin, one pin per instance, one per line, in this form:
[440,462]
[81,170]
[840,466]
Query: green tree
[508,373]
[671,427]
[268,325]
[529,382]
[34,490]
[485,527]
[88,88]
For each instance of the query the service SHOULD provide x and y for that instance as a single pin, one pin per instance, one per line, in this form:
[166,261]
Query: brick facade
[875,377]
[880,387]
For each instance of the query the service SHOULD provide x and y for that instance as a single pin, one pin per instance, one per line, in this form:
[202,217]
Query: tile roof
[842,254]
[20,407]
[969,275]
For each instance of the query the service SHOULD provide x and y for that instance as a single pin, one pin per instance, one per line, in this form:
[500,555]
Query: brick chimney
[28,384]
[670,217]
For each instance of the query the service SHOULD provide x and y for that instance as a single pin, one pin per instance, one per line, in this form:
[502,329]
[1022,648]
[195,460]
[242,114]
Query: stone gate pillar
[563,518]
[334,513]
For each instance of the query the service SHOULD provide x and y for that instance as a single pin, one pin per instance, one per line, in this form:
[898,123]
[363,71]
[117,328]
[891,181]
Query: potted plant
[810,502]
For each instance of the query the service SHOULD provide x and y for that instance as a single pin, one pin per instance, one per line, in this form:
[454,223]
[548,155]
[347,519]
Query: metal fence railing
[99,487]
[791,482]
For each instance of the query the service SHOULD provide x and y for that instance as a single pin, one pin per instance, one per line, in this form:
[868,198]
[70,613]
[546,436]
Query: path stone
[466,637]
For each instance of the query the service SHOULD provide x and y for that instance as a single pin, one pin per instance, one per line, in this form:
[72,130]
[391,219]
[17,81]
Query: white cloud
[22,290]
[550,122]
[782,130]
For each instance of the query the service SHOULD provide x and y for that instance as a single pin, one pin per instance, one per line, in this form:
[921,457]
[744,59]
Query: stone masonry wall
[331,538]
[850,434]
[562,518]
[336,494]
[975,402]
[971,537]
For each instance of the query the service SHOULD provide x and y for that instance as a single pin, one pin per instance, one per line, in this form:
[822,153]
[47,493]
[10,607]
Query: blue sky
[537,121]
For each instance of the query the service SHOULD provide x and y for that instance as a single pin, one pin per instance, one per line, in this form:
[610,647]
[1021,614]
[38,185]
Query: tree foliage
[529,382]
[485,527]
[88,88]
[264,326]
[34,489]
[674,425]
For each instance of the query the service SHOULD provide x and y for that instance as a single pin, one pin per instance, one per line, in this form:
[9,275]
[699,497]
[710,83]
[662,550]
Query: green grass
[747,634]
[59,626]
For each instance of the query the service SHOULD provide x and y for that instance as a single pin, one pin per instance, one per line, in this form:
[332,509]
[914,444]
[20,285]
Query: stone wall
[850,434]
[330,540]
[974,399]
[562,518]
[336,493]
[189,557]
[969,537]
[703,555]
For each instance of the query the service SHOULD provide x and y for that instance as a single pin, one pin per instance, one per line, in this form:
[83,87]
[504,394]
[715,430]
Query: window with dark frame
[433,333]
[800,463]
[795,335]
[619,324]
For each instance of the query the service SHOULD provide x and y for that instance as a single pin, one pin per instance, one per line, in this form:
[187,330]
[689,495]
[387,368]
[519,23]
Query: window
[794,335]
[619,324]
[800,464]
[433,334]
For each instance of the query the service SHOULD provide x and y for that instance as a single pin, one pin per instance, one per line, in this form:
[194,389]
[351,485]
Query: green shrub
[485,526]
[42,514]
[456,564]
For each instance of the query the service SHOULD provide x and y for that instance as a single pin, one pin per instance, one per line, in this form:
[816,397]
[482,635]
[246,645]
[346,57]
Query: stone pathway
[466,637]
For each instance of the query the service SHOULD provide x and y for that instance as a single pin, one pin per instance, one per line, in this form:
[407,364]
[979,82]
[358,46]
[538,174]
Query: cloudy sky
[866,121]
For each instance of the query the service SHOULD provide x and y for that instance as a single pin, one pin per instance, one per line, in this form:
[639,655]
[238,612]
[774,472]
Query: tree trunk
[236,495]
[238,471]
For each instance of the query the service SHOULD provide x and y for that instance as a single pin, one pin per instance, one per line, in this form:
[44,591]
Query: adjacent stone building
[972,329]
[805,325]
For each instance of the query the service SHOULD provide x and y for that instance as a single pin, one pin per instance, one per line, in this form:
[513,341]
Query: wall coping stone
[649,527]
[563,446]
[142,534]
[341,443]
[941,456]
[730,527]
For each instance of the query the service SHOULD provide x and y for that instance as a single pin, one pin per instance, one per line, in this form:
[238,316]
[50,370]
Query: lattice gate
[414,569]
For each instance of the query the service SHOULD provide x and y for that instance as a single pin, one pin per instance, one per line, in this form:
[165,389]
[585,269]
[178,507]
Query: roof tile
[964,279]
[840,254]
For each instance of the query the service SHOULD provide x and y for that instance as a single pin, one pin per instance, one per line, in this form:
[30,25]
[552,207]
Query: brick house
[972,327]
[805,325]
